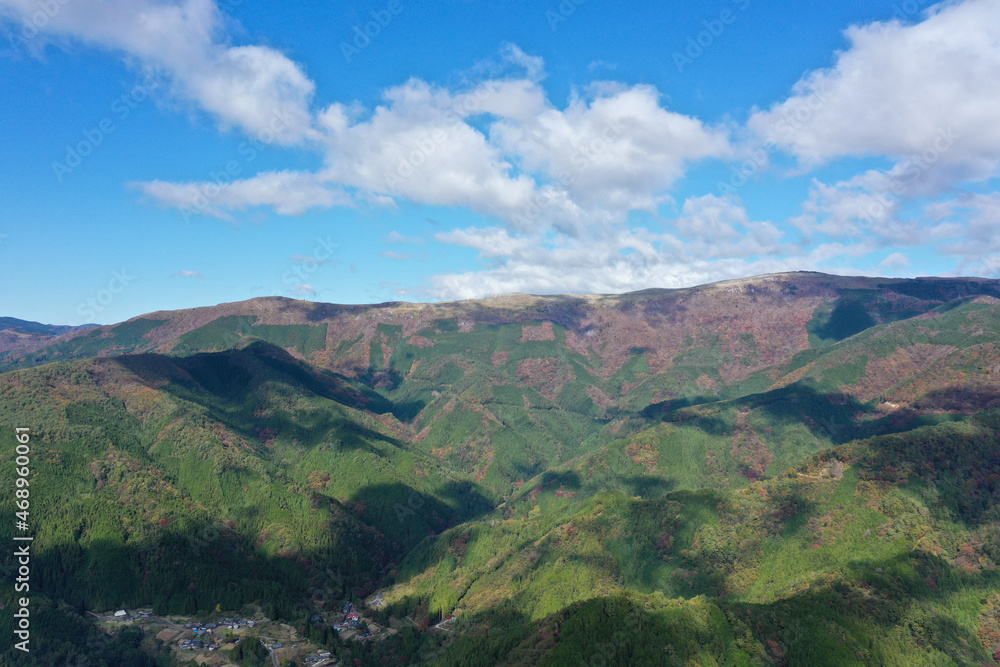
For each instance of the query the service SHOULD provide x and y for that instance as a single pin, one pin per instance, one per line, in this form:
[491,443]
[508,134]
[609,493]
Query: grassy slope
[216,479]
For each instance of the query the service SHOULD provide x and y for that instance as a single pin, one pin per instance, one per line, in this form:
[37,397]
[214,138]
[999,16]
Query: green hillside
[218,479]
[789,470]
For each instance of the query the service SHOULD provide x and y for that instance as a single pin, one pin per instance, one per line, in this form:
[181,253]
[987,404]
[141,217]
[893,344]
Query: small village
[208,642]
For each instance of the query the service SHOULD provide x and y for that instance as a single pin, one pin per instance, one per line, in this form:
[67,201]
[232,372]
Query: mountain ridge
[159,330]
[788,469]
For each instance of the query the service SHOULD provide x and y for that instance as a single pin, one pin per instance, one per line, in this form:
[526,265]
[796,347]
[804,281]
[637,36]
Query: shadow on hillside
[967,399]
[895,596]
[666,308]
[570,484]
[191,571]
[233,384]
[961,464]
[871,614]
[957,467]
[847,318]
[648,486]
[568,479]
[828,415]
[188,566]
[936,407]
[406,516]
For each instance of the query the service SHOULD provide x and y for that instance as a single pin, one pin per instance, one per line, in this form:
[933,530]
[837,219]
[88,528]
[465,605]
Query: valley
[788,469]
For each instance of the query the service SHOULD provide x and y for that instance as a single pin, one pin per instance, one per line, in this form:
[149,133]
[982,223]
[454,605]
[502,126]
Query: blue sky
[163,154]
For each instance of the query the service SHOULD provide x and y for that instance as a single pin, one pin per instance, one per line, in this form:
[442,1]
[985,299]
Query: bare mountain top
[779,311]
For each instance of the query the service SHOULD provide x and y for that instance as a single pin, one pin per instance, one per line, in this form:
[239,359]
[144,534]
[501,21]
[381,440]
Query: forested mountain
[789,469]
[18,334]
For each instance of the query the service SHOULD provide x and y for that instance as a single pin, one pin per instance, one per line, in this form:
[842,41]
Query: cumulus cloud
[902,91]
[617,152]
[864,204]
[419,147]
[969,227]
[254,88]
[535,166]
[920,95]
[897,261]
[711,239]
[598,271]
[558,184]
[288,192]
[497,146]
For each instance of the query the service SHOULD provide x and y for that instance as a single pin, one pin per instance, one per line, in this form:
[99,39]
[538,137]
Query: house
[121,613]
[348,608]
[353,616]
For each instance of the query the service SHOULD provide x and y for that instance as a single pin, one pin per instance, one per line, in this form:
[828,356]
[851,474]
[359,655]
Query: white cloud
[500,149]
[288,192]
[896,262]
[710,226]
[601,64]
[712,239]
[419,147]
[497,146]
[902,91]
[188,274]
[600,274]
[254,88]
[619,151]
[557,186]
[970,230]
[863,205]
[302,291]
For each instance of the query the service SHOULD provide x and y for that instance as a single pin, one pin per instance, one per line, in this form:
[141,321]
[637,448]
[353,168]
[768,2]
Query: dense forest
[798,469]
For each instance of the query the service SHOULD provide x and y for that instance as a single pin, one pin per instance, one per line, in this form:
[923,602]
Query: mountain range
[795,469]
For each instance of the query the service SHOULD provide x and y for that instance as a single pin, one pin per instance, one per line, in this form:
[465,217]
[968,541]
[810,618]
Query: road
[157,619]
